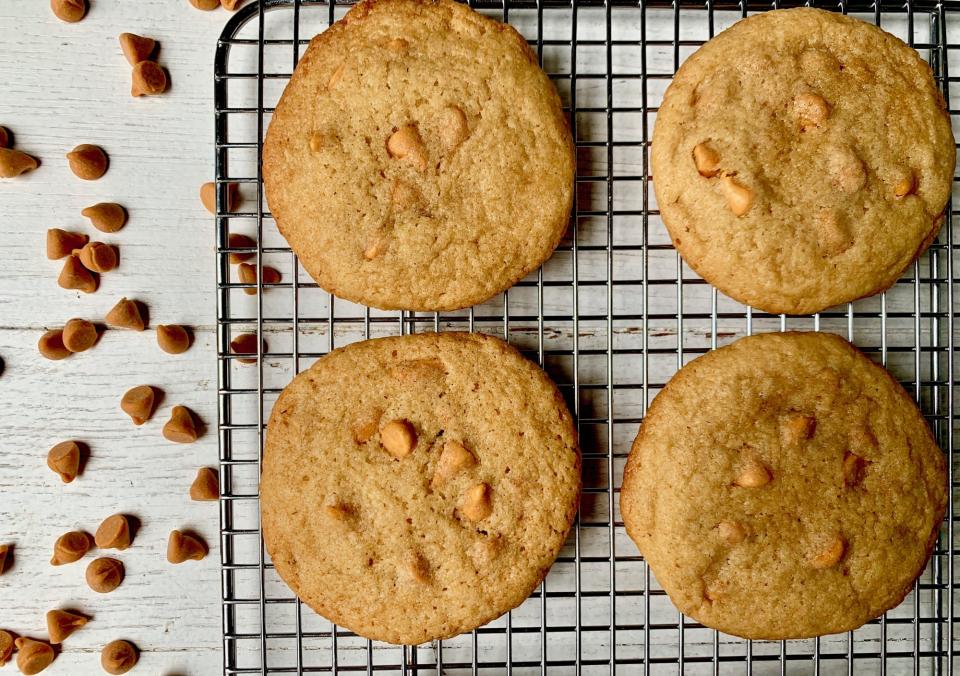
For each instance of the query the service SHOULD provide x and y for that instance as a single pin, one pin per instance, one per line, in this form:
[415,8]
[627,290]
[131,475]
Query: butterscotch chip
[118,657]
[125,315]
[97,257]
[205,5]
[62,243]
[104,574]
[79,335]
[64,459]
[88,162]
[392,539]
[106,216]
[138,403]
[113,533]
[398,438]
[4,556]
[70,547]
[230,5]
[136,48]
[206,485]
[208,196]
[184,547]
[239,241]
[51,345]
[706,159]
[148,79]
[62,623]
[33,656]
[816,521]
[70,11]
[6,646]
[181,428]
[13,163]
[454,458]
[173,338]
[824,122]
[476,504]
[458,96]
[248,275]
[246,343]
[75,276]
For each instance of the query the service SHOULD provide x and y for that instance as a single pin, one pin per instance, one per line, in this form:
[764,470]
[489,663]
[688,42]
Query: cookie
[802,159]
[783,487]
[417,487]
[419,158]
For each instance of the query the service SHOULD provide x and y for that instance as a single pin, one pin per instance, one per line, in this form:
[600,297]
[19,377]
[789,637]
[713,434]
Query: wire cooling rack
[611,317]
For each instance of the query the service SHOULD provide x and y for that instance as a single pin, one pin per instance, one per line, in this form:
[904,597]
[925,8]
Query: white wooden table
[62,85]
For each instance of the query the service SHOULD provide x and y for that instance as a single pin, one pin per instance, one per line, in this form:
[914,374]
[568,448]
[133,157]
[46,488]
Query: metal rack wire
[611,316]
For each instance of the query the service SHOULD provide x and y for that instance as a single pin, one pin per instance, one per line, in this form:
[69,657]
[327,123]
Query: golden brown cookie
[417,487]
[784,486]
[419,157]
[802,159]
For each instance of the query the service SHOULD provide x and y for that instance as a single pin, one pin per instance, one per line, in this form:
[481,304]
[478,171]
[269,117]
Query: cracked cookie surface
[419,158]
[417,487]
[784,486]
[802,159]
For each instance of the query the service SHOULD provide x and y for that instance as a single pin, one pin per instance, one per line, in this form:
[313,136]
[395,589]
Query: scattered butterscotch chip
[79,335]
[181,428]
[13,163]
[454,459]
[796,428]
[454,128]
[136,48]
[238,241]
[205,5]
[113,533]
[173,338]
[138,402]
[51,345]
[905,186]
[70,11]
[75,276]
[106,216]
[97,257]
[118,657]
[732,531]
[854,469]
[476,505]
[208,196]
[811,110]
[247,274]
[206,486]
[104,574]
[6,646]
[88,161]
[230,5]
[70,547]
[246,343]
[831,554]
[64,459]
[407,145]
[739,197]
[706,159]
[4,555]
[754,474]
[148,79]
[399,438]
[62,623]
[33,656]
[366,425]
[184,547]
[62,243]
[4,138]
[125,315]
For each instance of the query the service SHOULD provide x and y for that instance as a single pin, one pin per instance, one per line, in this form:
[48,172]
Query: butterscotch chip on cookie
[419,157]
[784,487]
[802,159]
[417,487]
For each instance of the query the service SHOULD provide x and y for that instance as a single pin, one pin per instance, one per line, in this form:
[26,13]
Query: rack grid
[611,317]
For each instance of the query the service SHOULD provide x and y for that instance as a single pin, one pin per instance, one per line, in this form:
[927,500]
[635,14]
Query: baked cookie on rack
[417,487]
[802,159]
[419,158]
[784,486]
